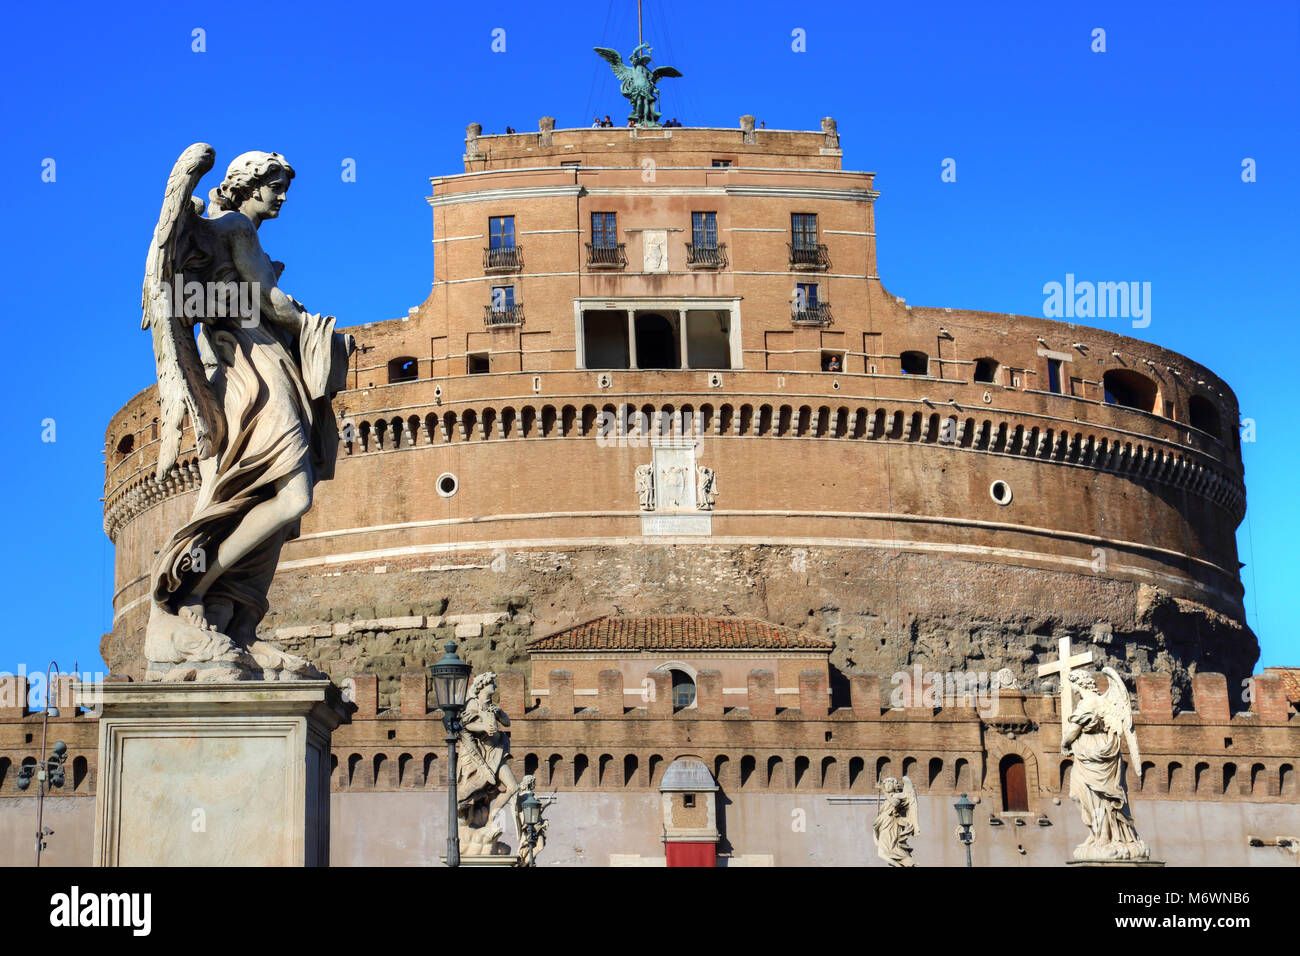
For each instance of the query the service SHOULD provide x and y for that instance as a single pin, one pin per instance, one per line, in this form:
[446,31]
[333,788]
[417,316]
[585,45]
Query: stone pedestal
[506,860]
[219,774]
[1117,863]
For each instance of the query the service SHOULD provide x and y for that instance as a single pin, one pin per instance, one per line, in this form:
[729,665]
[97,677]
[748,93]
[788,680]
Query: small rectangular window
[1169,410]
[721,163]
[476,363]
[604,230]
[688,801]
[704,230]
[571,162]
[803,230]
[1054,375]
[501,232]
[806,295]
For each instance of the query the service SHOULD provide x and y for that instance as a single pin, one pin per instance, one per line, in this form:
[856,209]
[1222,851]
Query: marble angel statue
[1099,729]
[256,386]
[486,786]
[896,822]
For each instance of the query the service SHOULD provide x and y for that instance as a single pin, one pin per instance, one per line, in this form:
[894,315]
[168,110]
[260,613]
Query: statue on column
[638,82]
[1097,732]
[896,822]
[486,787]
[256,388]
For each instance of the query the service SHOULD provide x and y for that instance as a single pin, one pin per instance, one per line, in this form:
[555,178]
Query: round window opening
[447,484]
[683,690]
[1000,492]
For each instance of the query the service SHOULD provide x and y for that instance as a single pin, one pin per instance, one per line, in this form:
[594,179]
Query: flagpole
[639,40]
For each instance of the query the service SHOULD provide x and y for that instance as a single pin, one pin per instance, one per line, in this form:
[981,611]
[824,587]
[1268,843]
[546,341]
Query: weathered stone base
[214,774]
[1114,863]
[498,860]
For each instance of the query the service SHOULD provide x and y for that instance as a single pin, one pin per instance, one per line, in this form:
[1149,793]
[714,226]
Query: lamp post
[49,772]
[450,687]
[530,811]
[965,808]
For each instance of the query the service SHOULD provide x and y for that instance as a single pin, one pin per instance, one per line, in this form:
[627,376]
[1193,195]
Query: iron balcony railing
[701,256]
[606,257]
[816,314]
[503,317]
[503,259]
[808,256]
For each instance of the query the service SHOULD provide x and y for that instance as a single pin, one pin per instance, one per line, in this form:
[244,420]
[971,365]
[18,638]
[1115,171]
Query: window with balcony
[805,251]
[501,253]
[503,309]
[808,307]
[604,250]
[704,251]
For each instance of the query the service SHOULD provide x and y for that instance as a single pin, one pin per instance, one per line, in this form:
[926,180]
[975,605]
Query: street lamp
[451,687]
[965,808]
[530,811]
[49,772]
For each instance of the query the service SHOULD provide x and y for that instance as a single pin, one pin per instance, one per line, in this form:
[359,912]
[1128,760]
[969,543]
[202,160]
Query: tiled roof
[1290,680]
[678,633]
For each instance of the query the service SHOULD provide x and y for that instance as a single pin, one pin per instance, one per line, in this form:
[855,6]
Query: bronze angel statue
[256,386]
[1099,729]
[637,82]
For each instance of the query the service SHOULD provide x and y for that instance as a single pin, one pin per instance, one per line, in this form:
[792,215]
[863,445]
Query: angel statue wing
[621,69]
[661,71]
[909,804]
[1118,714]
[182,386]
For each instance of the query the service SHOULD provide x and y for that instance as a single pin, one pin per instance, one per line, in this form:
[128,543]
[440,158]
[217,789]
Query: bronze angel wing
[661,71]
[182,385]
[621,69]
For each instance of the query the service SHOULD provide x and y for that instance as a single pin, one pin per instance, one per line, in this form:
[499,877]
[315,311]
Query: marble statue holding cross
[1095,734]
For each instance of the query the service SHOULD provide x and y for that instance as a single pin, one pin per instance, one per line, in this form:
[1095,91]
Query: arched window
[986,370]
[683,690]
[404,368]
[936,771]
[1128,388]
[1015,790]
[579,769]
[629,770]
[1205,415]
[125,446]
[915,363]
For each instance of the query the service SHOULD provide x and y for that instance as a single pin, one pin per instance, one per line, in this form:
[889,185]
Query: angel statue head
[255,185]
[891,785]
[485,681]
[1083,680]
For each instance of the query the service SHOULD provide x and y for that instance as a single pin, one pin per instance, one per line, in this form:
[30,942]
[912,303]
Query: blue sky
[1122,165]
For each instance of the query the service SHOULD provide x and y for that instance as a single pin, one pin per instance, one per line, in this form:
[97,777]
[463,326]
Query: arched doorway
[1015,789]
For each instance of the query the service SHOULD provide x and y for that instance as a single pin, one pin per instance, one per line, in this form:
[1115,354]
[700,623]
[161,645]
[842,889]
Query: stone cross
[1063,665]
